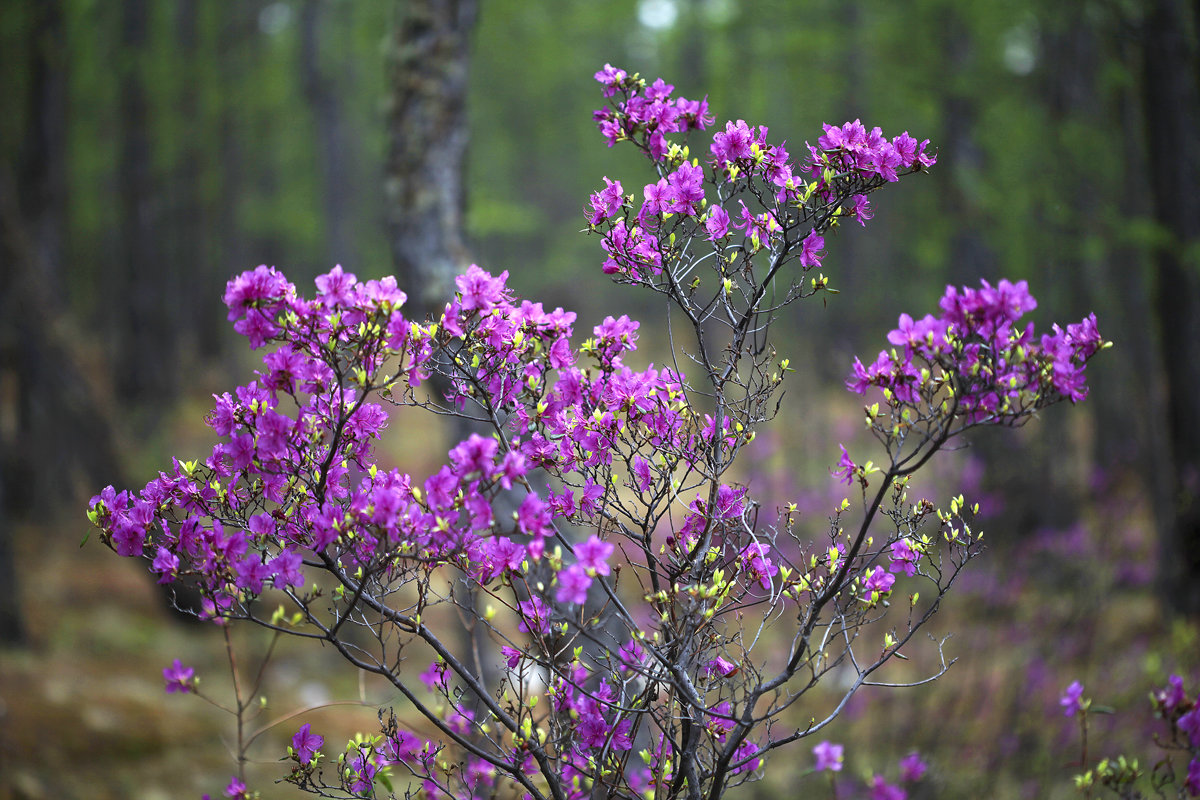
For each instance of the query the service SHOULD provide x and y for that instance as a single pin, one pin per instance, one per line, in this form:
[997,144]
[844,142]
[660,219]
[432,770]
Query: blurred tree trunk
[333,149]
[146,354]
[32,214]
[429,57]
[1171,88]
[428,63]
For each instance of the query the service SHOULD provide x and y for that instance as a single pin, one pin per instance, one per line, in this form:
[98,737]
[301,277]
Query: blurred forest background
[150,149]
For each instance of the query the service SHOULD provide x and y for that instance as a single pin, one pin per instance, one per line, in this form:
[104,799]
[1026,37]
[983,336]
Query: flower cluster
[590,528]
[793,203]
[830,757]
[1181,742]
[973,362]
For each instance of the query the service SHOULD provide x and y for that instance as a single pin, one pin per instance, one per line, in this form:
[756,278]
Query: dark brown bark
[1171,91]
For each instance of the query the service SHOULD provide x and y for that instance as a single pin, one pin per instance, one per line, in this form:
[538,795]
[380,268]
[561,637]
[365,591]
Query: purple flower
[1172,696]
[593,555]
[717,223]
[829,757]
[810,255]
[862,209]
[733,143]
[722,666]
[1189,723]
[166,564]
[306,743]
[336,287]
[1071,700]
[904,557]
[845,469]
[879,582]
[882,790]
[573,583]
[236,789]
[912,768]
[179,678]
[747,751]
[611,77]
[512,656]
[1192,784]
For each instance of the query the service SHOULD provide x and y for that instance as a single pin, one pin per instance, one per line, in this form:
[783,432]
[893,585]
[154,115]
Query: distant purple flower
[1172,696]
[179,678]
[829,756]
[236,789]
[306,743]
[1192,784]
[435,676]
[882,790]
[912,768]
[1189,723]
[1071,699]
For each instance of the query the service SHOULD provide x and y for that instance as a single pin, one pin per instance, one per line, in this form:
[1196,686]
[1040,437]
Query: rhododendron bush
[593,527]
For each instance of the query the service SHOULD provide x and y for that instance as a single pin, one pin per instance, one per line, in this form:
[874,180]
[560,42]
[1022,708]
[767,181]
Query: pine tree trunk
[1172,111]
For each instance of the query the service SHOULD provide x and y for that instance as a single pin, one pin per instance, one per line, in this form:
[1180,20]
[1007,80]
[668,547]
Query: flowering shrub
[594,528]
[1125,777]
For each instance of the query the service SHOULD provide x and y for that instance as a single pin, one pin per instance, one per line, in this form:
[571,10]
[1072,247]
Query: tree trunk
[1171,71]
[332,146]
[145,337]
[427,140]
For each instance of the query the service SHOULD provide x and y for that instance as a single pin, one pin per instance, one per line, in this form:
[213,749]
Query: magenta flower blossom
[759,567]
[593,556]
[179,678]
[1171,697]
[611,77]
[1189,723]
[810,255]
[236,789]
[573,583]
[1192,783]
[722,666]
[845,469]
[717,223]
[606,203]
[512,656]
[306,743]
[878,583]
[882,790]
[829,756]
[912,768]
[904,557]
[862,209]
[1071,700]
